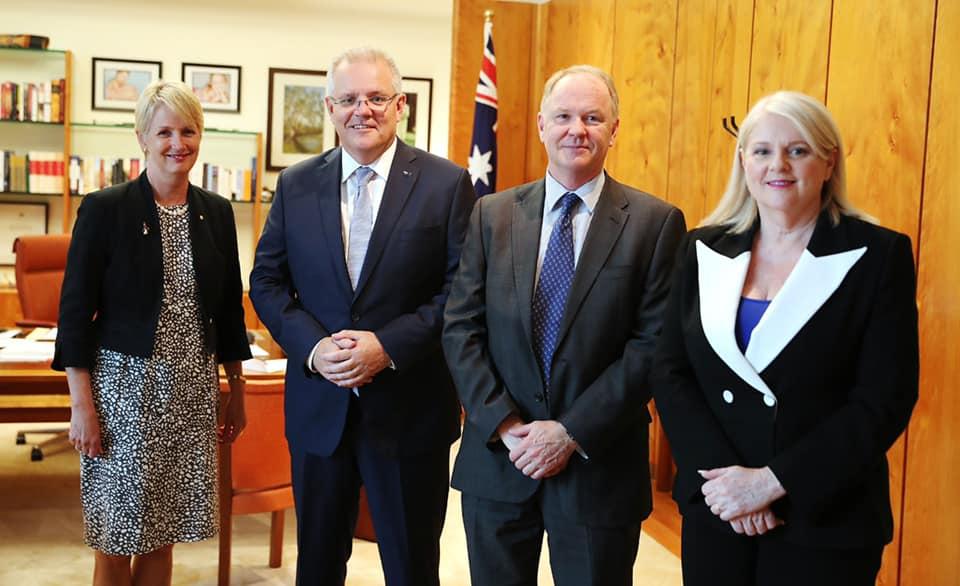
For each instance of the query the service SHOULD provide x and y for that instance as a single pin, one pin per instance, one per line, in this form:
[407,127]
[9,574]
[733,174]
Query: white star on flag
[479,166]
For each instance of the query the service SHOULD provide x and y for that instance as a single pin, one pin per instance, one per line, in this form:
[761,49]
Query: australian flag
[483,153]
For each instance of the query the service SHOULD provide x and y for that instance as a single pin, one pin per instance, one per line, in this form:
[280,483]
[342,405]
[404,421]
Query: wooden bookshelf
[38,65]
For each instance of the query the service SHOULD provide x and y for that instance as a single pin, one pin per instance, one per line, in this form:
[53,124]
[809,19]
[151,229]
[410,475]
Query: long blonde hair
[811,118]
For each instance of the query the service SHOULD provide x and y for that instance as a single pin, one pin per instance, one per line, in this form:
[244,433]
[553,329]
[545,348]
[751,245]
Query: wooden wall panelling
[512,31]
[790,42]
[566,32]
[512,38]
[878,94]
[536,160]
[877,91]
[580,31]
[643,71]
[730,82]
[693,68]
[931,531]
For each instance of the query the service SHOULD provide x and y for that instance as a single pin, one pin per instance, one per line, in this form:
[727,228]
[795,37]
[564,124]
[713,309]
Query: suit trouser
[504,541]
[715,557]
[407,495]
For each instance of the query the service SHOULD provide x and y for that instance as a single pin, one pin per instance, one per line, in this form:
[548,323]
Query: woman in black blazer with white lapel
[788,365]
[151,301]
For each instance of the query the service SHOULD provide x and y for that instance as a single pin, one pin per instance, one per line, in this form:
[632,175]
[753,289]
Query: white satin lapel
[721,282]
[811,282]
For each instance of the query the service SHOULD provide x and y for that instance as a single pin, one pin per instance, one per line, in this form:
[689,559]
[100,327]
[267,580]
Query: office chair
[255,473]
[39,268]
[40,262]
[255,470]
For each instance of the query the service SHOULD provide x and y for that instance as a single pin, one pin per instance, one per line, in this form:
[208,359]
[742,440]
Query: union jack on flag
[483,154]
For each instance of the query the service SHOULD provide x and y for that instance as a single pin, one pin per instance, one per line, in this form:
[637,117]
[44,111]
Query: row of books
[43,172]
[236,183]
[33,102]
[33,172]
[88,174]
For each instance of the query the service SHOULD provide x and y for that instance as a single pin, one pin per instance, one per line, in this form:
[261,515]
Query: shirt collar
[381,166]
[589,192]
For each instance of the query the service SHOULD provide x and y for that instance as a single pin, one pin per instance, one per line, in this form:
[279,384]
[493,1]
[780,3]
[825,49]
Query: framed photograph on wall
[297,124]
[414,126]
[117,83]
[217,86]
[19,219]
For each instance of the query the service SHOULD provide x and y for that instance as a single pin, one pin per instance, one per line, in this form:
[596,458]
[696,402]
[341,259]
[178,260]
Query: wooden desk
[33,392]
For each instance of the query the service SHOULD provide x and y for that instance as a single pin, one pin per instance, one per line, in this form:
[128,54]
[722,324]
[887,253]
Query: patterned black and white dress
[157,481]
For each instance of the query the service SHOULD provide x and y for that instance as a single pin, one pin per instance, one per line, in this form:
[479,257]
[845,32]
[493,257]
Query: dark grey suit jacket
[599,377]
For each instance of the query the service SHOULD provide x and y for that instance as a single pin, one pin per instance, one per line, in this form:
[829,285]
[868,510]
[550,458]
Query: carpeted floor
[41,536]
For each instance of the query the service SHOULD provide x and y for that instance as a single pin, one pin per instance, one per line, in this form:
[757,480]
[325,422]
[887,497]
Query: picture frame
[297,123]
[19,219]
[414,126]
[217,86]
[117,83]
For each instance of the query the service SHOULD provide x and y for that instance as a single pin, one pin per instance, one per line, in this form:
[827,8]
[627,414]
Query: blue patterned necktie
[556,276]
[361,225]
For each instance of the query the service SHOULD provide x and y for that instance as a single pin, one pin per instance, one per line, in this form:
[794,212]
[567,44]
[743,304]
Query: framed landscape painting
[297,124]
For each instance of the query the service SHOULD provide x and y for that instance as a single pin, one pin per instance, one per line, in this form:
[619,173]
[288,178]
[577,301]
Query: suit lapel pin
[146,229]
[201,216]
[405,172]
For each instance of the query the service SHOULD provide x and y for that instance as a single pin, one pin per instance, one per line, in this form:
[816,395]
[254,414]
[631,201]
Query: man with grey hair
[351,275]
[549,331]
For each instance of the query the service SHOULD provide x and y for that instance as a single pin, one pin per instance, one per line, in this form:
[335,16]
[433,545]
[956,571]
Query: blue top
[748,316]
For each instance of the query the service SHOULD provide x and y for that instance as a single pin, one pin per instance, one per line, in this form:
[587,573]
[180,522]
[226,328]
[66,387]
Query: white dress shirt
[589,194]
[348,188]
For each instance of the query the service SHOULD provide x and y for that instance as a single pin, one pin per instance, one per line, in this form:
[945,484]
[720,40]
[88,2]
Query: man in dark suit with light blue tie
[351,275]
[549,331]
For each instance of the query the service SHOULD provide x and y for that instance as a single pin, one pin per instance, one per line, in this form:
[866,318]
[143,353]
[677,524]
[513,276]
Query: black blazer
[113,283]
[599,384]
[302,293]
[824,388]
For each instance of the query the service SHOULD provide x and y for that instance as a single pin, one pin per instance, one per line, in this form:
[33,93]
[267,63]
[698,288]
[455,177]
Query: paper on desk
[258,352]
[20,350]
[256,365]
[43,335]
[9,333]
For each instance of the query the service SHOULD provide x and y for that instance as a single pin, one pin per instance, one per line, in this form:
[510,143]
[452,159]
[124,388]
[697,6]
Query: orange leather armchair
[255,470]
[39,268]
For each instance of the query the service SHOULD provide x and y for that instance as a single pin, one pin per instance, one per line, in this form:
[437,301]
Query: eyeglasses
[376,103]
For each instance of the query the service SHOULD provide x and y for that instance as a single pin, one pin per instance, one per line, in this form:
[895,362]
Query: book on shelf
[25,41]
[234,183]
[33,101]
[39,172]
[90,173]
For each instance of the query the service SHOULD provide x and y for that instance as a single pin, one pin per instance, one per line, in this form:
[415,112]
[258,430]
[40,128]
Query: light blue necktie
[361,224]
[556,276]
